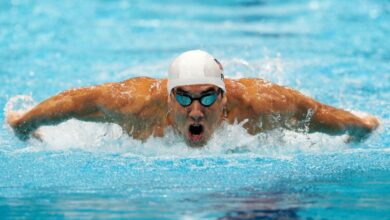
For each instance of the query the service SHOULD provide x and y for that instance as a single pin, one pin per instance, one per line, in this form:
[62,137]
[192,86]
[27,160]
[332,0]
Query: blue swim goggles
[206,99]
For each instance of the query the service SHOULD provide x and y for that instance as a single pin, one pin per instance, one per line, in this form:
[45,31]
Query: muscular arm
[269,105]
[120,103]
[336,121]
[75,103]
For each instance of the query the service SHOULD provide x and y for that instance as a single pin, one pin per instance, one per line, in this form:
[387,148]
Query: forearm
[276,105]
[335,121]
[109,102]
[319,117]
[68,104]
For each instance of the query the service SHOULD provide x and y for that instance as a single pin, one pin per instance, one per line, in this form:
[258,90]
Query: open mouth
[196,132]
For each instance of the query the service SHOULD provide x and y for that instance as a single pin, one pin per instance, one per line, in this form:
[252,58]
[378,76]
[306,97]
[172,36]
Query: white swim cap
[195,67]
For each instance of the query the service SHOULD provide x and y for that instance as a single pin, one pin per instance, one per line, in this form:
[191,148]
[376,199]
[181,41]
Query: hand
[13,118]
[371,122]
[20,129]
[37,134]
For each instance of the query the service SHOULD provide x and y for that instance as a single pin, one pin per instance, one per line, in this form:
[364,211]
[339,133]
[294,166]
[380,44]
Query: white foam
[19,104]
[229,139]
[271,68]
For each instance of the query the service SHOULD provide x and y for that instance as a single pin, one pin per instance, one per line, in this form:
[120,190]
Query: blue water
[335,51]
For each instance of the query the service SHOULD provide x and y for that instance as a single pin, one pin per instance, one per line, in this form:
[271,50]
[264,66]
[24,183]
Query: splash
[271,68]
[228,139]
[19,104]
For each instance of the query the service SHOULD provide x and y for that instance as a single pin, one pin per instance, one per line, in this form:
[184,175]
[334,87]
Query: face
[196,121]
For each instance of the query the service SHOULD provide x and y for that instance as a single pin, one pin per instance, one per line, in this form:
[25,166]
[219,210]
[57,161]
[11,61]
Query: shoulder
[139,87]
[252,85]
[258,94]
[246,89]
[245,83]
[135,93]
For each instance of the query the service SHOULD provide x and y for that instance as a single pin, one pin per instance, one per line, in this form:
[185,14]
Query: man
[194,100]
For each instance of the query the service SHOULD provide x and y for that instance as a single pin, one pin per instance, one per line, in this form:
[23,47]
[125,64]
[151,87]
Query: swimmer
[194,100]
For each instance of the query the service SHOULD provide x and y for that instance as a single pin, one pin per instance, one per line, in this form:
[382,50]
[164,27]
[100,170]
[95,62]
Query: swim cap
[195,67]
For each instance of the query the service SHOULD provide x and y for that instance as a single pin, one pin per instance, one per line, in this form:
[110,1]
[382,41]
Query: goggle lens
[183,100]
[208,100]
[205,100]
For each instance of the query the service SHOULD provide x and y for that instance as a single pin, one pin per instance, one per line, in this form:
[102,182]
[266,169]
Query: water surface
[335,51]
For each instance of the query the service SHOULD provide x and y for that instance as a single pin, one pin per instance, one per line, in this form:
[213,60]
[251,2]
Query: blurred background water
[335,51]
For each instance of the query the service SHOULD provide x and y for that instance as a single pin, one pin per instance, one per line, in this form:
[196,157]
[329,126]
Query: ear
[224,99]
[169,101]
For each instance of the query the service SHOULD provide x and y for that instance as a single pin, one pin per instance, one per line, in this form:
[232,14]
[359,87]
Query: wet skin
[143,108]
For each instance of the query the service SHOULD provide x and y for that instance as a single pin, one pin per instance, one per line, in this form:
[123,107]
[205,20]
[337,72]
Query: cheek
[214,114]
[180,116]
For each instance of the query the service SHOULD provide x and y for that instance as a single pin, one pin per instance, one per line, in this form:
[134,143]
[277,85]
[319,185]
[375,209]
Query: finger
[37,135]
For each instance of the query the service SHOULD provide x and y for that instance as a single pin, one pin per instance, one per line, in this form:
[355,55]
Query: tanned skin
[143,108]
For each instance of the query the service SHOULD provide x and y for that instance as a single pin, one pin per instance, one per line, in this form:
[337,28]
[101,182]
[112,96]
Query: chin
[198,144]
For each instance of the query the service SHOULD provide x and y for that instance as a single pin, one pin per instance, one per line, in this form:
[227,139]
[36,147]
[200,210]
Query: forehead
[197,88]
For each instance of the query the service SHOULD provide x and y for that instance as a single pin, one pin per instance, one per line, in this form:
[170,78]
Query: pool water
[335,51]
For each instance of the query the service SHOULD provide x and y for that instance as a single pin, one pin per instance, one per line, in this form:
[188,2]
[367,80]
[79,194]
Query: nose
[195,111]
